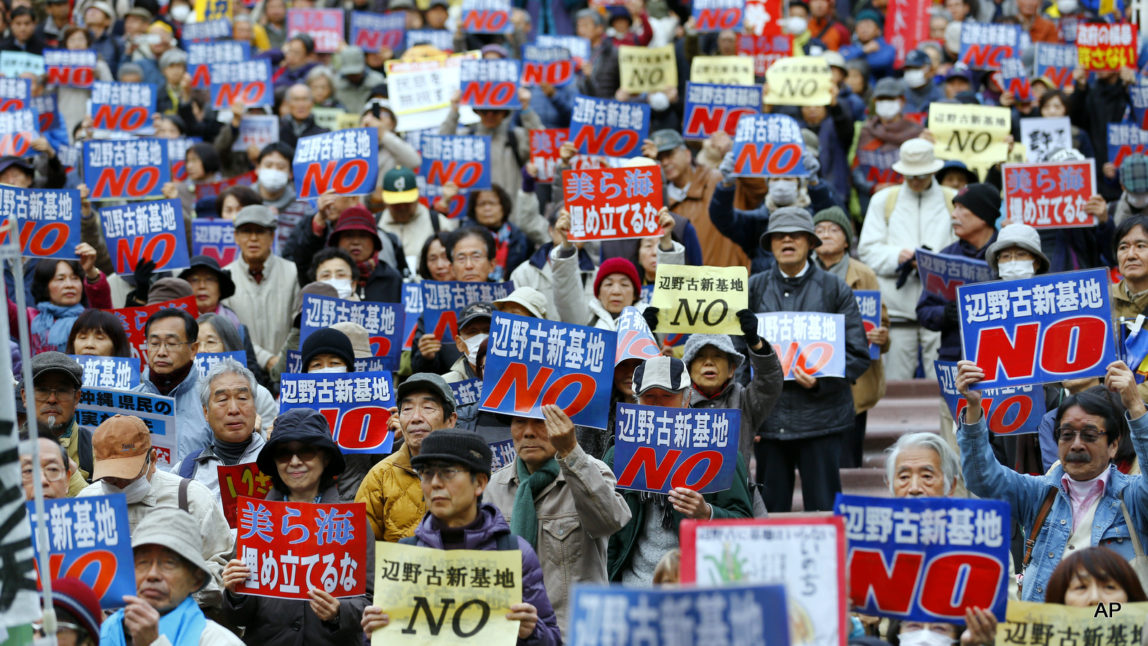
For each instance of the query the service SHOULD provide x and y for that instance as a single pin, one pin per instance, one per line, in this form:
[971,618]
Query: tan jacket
[870,387]
[393,496]
[717,250]
[577,514]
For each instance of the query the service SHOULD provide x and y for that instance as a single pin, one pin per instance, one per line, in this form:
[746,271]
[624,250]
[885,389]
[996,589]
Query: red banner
[293,547]
[765,50]
[613,203]
[135,318]
[1050,195]
[1106,47]
[544,145]
[240,480]
[907,26]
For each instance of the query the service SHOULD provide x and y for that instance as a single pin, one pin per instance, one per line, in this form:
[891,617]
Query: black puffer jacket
[828,407]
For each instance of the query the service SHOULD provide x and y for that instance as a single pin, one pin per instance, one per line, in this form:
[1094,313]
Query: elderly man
[652,531]
[172,343]
[228,395]
[562,500]
[126,463]
[454,469]
[391,488]
[900,220]
[299,122]
[921,465]
[1084,501]
[56,473]
[169,569]
[56,384]
[265,284]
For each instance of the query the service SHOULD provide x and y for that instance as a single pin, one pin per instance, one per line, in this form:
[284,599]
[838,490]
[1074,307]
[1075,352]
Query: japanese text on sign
[1125,139]
[346,161]
[613,203]
[462,159]
[1013,410]
[942,274]
[800,80]
[119,373]
[658,449]
[146,231]
[869,304]
[611,128]
[489,84]
[710,108]
[722,70]
[1106,46]
[48,220]
[768,145]
[1050,195]
[442,301]
[764,51]
[984,46]
[549,65]
[134,169]
[544,146]
[1055,62]
[157,412]
[1054,624]
[240,480]
[974,134]
[647,69]
[324,26]
[355,406]
[716,15]
[705,300]
[382,321]
[812,341]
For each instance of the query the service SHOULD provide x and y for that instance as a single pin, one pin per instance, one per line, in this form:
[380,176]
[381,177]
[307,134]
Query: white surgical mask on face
[924,638]
[1066,7]
[658,101]
[796,25]
[180,12]
[887,109]
[134,492]
[330,370]
[154,39]
[272,179]
[915,77]
[472,347]
[1015,269]
[783,191]
[1138,200]
[341,285]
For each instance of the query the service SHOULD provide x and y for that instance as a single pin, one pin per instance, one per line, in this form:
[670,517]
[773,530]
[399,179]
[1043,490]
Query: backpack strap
[1045,507]
[183,485]
[950,193]
[187,466]
[891,201]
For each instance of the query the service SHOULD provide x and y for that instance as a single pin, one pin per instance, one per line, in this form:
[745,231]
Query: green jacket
[731,503]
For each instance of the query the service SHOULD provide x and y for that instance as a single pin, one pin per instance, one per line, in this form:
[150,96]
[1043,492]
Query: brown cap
[120,447]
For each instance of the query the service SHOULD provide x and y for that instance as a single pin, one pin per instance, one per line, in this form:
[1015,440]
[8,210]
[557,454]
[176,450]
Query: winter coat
[308,128]
[755,401]
[931,308]
[263,307]
[414,233]
[539,274]
[384,285]
[207,463]
[717,249]
[394,497]
[575,302]
[870,386]
[509,145]
[827,408]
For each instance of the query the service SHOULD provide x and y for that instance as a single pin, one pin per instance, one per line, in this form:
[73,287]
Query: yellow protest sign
[347,120]
[327,117]
[213,10]
[700,299]
[1050,624]
[446,596]
[973,134]
[722,70]
[646,69]
[799,80]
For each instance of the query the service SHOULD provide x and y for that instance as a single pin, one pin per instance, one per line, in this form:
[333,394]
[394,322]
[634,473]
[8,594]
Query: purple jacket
[484,536]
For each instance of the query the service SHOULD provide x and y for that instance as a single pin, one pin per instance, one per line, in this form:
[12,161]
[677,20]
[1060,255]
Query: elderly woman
[62,289]
[491,208]
[303,463]
[100,334]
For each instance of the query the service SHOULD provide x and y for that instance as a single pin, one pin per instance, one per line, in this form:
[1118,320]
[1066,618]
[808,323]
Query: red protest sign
[291,548]
[1050,195]
[908,25]
[544,145]
[240,480]
[765,50]
[135,318]
[1101,46]
[613,203]
[324,26]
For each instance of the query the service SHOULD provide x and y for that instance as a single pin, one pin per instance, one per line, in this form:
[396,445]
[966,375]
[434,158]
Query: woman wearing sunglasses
[303,463]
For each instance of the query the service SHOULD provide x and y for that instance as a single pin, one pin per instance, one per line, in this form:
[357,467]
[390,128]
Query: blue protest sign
[256,130]
[1055,62]
[374,31]
[196,32]
[121,373]
[355,405]
[610,128]
[466,391]
[205,361]
[502,454]
[657,449]
[126,170]
[440,39]
[177,154]
[486,17]
[123,107]
[1009,411]
[88,539]
[682,616]
[346,161]
[200,57]
[246,81]
[1014,78]
[146,231]
[869,302]
[768,145]
[549,65]
[578,47]
[490,84]
[1047,328]
[14,64]
[710,108]
[412,310]
[926,559]
[941,274]
[365,364]
[157,412]
[462,159]
[48,220]
[382,321]
[443,301]
[812,341]
[14,93]
[70,68]
[532,362]
[635,340]
[215,238]
[1126,139]
[985,46]
[18,129]
[717,15]
[45,107]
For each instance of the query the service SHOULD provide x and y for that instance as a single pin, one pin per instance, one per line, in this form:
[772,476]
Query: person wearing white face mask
[918,76]
[882,134]
[125,462]
[274,185]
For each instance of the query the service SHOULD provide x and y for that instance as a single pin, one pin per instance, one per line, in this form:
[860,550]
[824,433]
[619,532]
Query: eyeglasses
[44,394]
[427,474]
[474,257]
[304,453]
[1087,435]
[167,564]
[52,473]
[157,344]
[38,628]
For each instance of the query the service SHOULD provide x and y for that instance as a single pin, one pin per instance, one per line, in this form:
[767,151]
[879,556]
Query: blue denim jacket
[987,478]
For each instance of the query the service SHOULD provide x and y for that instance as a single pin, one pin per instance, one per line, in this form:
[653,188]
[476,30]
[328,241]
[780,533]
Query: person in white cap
[900,220]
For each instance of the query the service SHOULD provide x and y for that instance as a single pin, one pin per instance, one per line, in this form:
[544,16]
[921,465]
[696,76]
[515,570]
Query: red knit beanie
[622,266]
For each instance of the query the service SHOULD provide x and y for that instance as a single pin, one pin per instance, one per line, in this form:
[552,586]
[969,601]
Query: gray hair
[950,463]
[225,366]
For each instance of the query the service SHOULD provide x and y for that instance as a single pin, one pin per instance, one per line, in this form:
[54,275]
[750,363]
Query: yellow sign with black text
[645,69]
[974,134]
[704,300]
[799,80]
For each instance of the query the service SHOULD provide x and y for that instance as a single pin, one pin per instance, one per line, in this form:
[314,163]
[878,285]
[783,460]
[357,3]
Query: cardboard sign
[1014,78]
[1047,328]
[382,321]
[974,134]
[14,64]
[198,32]
[942,274]
[120,373]
[635,341]
[908,25]
[705,300]
[466,392]
[146,231]
[688,616]
[1055,62]
[412,312]
[647,69]
[722,70]
[256,130]
[213,10]
[123,107]
[442,302]
[134,320]
[48,220]
[610,128]
[1118,624]
[926,559]
[14,93]
[462,159]
[578,47]
[1125,139]
[985,46]
[248,81]
[70,68]
[717,15]
[532,362]
[291,548]
[157,412]
[490,84]
[1050,195]
[205,361]
[800,80]
[215,238]
[806,555]
[88,539]
[613,203]
[764,50]
[446,596]
[240,480]
[486,17]
[869,304]
[658,449]
[1009,411]
[355,405]
[346,161]
[549,65]
[544,147]
[126,170]
[200,57]
[1106,46]
[710,108]
[373,31]
[420,91]
[324,26]
[502,455]
[768,145]
[1043,135]
[812,341]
